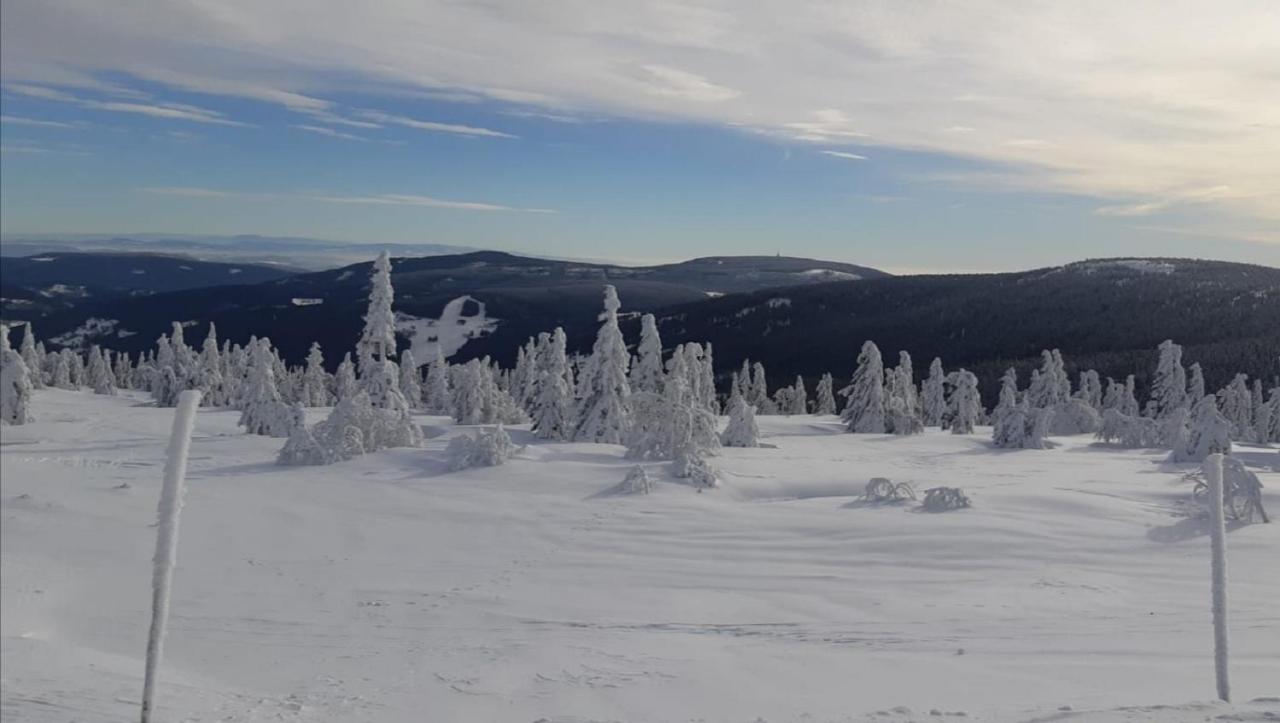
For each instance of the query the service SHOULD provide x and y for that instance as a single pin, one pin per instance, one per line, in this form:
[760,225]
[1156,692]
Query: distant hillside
[1104,314]
[43,284]
[526,295]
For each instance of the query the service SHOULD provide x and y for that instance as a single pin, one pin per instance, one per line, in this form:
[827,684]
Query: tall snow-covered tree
[673,425]
[1273,416]
[964,407]
[741,430]
[436,398]
[410,381]
[799,397]
[315,380]
[31,356]
[864,408]
[601,412]
[646,374]
[1007,430]
[16,387]
[759,394]
[551,412]
[933,395]
[99,373]
[378,340]
[902,405]
[262,411]
[825,398]
[1169,388]
[1050,385]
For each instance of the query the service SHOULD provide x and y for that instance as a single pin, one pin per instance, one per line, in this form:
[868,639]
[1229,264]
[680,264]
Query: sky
[906,135]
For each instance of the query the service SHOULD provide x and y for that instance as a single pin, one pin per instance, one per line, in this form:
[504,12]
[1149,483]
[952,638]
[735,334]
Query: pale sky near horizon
[979,135]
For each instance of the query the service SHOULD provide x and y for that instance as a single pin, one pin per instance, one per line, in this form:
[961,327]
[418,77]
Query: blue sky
[659,142]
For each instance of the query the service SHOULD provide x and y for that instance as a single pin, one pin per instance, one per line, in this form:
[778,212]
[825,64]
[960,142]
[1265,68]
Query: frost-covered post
[175,472]
[1218,546]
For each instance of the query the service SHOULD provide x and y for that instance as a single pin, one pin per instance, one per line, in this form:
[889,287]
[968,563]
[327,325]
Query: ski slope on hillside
[389,589]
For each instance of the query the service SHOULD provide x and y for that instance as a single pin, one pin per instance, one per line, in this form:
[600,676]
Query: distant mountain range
[797,316]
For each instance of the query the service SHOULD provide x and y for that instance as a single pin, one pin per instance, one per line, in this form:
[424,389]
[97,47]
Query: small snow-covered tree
[1075,416]
[16,387]
[646,374]
[1169,388]
[933,395]
[207,372]
[1209,432]
[1129,432]
[32,356]
[99,373]
[1090,391]
[1236,404]
[674,426]
[315,380]
[601,413]
[902,405]
[758,396]
[344,380]
[1195,387]
[741,430]
[61,377]
[1008,420]
[864,409]
[825,399]
[964,407]
[1269,426]
[552,410]
[486,447]
[410,384]
[799,398]
[1129,402]
[1050,385]
[262,411]
[436,398]
[354,428]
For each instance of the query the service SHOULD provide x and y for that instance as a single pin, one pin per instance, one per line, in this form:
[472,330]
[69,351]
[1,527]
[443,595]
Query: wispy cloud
[331,133]
[36,122]
[154,109]
[844,154]
[388,199]
[432,126]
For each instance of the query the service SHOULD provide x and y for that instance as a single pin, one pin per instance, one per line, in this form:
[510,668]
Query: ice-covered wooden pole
[1218,541]
[175,472]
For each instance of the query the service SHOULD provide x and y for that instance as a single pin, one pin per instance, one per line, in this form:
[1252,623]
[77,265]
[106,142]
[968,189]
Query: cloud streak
[388,199]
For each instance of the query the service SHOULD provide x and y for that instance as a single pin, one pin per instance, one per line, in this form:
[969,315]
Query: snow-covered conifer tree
[16,387]
[825,400]
[1045,390]
[1273,416]
[902,405]
[783,399]
[61,377]
[1236,403]
[344,380]
[1209,432]
[1195,387]
[410,384]
[31,356]
[1129,402]
[864,410]
[354,427]
[799,398]
[1090,389]
[933,395]
[486,447]
[552,410]
[964,407]
[262,411]
[208,372]
[1129,432]
[436,398]
[315,380]
[759,392]
[646,375]
[601,413]
[741,430]
[99,373]
[1169,388]
[378,339]
[1008,421]
[673,426]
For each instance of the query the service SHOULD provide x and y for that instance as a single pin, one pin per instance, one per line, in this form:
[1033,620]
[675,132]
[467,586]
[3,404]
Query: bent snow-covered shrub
[1241,491]
[354,427]
[636,482]
[485,448]
[741,430]
[941,499]
[1129,432]
[882,489]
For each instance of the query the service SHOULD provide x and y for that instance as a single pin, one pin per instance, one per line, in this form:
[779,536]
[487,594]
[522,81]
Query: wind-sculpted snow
[388,588]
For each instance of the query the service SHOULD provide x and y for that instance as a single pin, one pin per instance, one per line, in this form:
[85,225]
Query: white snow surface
[448,333]
[389,589]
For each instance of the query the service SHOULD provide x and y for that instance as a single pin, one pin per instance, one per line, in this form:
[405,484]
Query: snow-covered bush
[636,482]
[697,470]
[354,427]
[882,489]
[1207,432]
[16,387]
[1241,491]
[741,430]
[1129,432]
[1075,416]
[941,499]
[486,447]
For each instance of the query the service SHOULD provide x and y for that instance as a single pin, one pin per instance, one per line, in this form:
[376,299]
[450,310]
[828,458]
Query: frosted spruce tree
[32,356]
[825,399]
[799,398]
[410,384]
[864,408]
[1195,387]
[1090,391]
[1169,387]
[1208,432]
[601,412]
[1008,422]
[436,398]
[933,395]
[964,407]
[315,380]
[354,428]
[741,430]
[1236,404]
[16,387]
[207,372]
[344,380]
[674,426]
[758,394]
[100,377]
[902,405]
[377,343]
[551,412]
[61,377]
[646,374]
[262,411]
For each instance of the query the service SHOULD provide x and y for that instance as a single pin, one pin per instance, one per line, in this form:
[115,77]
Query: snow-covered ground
[387,589]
